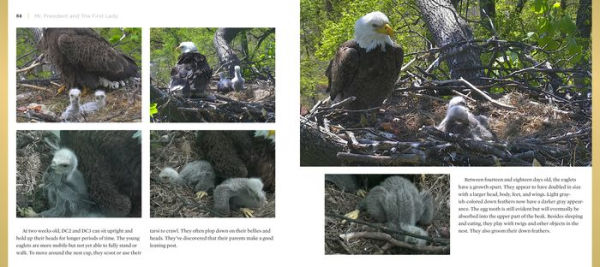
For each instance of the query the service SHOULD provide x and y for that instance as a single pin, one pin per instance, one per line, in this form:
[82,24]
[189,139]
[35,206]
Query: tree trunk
[227,57]
[584,18]
[584,28]
[448,28]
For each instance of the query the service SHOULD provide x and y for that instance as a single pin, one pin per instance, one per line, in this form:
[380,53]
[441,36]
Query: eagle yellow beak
[386,29]
[178,48]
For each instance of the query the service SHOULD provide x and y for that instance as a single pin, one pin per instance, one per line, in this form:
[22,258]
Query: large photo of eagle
[212,74]
[79,174]
[445,83]
[212,173]
[78,74]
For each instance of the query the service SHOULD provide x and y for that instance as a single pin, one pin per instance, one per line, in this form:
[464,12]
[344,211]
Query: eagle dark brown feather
[369,76]
[82,56]
[192,72]
[110,161]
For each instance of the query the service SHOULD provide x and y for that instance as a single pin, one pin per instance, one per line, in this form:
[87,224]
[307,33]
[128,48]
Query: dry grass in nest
[530,119]
[33,157]
[339,202]
[405,114]
[122,105]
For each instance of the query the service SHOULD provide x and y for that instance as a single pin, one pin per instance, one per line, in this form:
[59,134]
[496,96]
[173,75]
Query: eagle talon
[248,213]
[361,193]
[61,89]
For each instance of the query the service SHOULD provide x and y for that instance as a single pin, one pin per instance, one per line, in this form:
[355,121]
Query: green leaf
[115,38]
[540,6]
[153,110]
[566,25]
[572,46]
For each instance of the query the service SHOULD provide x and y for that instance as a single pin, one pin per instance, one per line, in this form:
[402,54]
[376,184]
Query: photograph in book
[78,74]
[387,214]
[212,174]
[79,174]
[212,75]
[444,83]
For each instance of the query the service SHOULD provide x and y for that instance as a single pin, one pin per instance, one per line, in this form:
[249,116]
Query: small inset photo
[78,74]
[79,174]
[387,214]
[212,75]
[212,174]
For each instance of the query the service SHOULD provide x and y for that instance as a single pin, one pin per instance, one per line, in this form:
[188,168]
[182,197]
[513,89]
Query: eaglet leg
[248,213]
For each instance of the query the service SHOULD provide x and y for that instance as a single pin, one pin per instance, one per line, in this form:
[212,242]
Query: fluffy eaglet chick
[239,193]
[460,121]
[199,175]
[65,188]
[398,204]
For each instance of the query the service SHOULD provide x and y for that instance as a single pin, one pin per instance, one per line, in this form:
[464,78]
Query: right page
[463,128]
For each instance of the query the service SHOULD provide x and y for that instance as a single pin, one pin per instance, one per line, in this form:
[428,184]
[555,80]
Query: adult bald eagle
[111,163]
[192,73]
[85,59]
[366,67]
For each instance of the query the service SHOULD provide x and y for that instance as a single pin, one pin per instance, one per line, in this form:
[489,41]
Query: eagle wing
[192,72]
[93,54]
[342,70]
[110,161]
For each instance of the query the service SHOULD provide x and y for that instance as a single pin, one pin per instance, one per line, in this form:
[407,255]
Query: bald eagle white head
[373,30]
[187,47]
[267,134]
